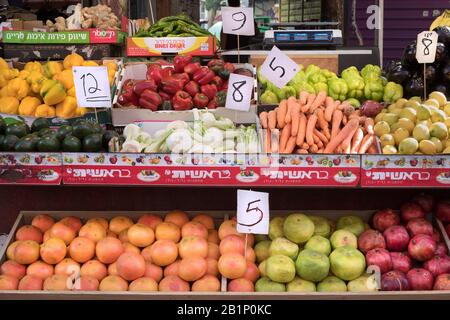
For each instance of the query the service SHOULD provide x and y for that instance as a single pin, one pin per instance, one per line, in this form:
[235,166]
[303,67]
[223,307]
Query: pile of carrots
[317,124]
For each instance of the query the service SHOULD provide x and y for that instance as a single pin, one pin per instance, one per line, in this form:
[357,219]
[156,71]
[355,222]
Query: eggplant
[443,35]
[414,87]
[445,73]
[441,53]
[431,72]
[390,66]
[399,74]
[409,56]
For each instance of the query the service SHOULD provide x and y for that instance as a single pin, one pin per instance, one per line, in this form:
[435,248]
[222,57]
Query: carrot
[272,119]
[263,118]
[274,139]
[291,102]
[344,120]
[316,138]
[302,151]
[365,144]
[267,142]
[290,146]
[320,150]
[329,108]
[347,142]
[281,114]
[295,119]
[309,129]
[320,144]
[336,123]
[368,125]
[313,149]
[318,101]
[356,140]
[285,134]
[323,123]
[349,129]
[311,98]
[338,149]
[301,129]
[321,136]
[305,146]
[304,97]
[372,149]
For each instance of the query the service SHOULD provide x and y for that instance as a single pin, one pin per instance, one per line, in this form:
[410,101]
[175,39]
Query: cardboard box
[30,25]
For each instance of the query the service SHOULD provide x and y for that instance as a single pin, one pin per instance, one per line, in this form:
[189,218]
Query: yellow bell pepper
[3,64]
[28,106]
[35,80]
[52,91]
[24,74]
[18,88]
[90,63]
[6,75]
[111,76]
[51,68]
[4,92]
[45,111]
[9,105]
[33,66]
[73,60]
[81,111]
[66,78]
[67,108]
[71,92]
[111,65]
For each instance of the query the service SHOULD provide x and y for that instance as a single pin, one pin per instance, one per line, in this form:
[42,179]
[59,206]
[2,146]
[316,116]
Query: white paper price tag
[252,212]
[239,92]
[238,21]
[426,46]
[278,68]
[92,87]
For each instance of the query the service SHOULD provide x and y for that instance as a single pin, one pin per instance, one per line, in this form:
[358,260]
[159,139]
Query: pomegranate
[419,226]
[383,219]
[438,265]
[422,247]
[397,238]
[426,201]
[394,281]
[420,279]
[379,257]
[371,239]
[400,261]
[441,249]
[442,282]
[411,210]
[443,211]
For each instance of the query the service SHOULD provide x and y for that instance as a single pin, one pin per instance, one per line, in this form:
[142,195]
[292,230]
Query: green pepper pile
[353,86]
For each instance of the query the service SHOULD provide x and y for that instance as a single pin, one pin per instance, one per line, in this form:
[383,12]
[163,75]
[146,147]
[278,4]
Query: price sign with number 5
[426,46]
[252,212]
[239,92]
[278,68]
[238,21]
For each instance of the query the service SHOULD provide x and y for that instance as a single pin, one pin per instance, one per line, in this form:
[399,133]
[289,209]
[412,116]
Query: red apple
[441,249]
[411,210]
[420,279]
[438,265]
[419,226]
[426,201]
[383,219]
[443,211]
[442,282]
[381,258]
[394,281]
[397,238]
[400,261]
[436,236]
[422,247]
[371,239]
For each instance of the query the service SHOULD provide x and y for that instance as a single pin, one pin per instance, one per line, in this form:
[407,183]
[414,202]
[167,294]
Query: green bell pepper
[304,86]
[328,74]
[337,89]
[355,87]
[268,97]
[312,68]
[316,78]
[320,86]
[370,69]
[349,73]
[392,92]
[354,102]
[374,90]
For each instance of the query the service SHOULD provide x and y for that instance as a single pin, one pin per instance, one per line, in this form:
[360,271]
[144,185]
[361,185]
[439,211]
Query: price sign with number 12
[92,87]
[252,212]
[239,92]
[238,21]
[278,68]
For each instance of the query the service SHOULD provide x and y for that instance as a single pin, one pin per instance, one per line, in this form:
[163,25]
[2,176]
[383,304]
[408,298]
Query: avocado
[9,142]
[48,144]
[27,128]
[2,126]
[45,132]
[64,131]
[96,128]
[39,124]
[18,129]
[2,138]
[92,143]
[25,145]
[82,130]
[71,144]
[107,136]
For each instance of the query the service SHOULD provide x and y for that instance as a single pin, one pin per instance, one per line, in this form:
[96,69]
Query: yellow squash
[9,105]
[28,106]
[45,111]
[67,108]
[18,88]
[53,92]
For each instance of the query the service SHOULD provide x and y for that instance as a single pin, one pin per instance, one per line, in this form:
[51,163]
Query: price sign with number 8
[238,21]
[426,46]
[239,92]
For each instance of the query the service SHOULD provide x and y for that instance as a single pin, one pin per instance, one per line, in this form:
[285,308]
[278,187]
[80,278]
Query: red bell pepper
[171,84]
[192,88]
[224,85]
[167,71]
[203,76]
[212,104]
[200,100]
[154,72]
[182,101]
[129,98]
[180,61]
[165,96]
[229,66]
[216,65]
[218,82]
[191,68]
[140,86]
[210,90]
[184,77]
[150,100]
[127,84]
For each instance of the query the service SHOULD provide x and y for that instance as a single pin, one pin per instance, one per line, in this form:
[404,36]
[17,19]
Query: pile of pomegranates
[409,252]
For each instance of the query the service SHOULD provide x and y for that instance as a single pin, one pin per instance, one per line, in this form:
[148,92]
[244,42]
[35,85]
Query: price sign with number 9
[238,21]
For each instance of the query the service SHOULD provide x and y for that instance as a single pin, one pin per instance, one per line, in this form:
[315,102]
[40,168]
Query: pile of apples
[408,251]
[154,254]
